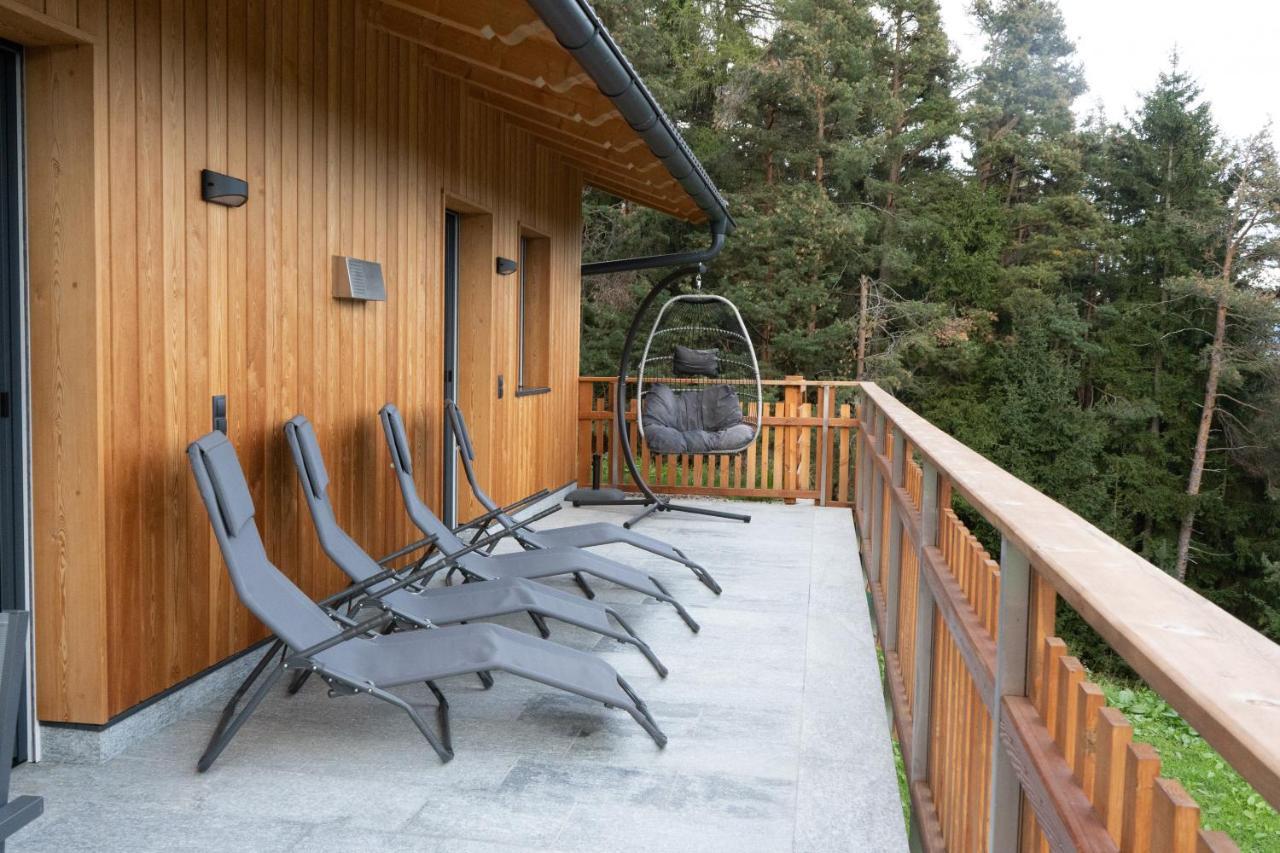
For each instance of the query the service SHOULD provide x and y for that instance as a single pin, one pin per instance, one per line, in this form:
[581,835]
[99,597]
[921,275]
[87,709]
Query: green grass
[1227,802]
[904,792]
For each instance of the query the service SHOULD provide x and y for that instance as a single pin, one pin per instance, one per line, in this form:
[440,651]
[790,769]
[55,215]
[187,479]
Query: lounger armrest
[551,510]
[377,623]
[451,560]
[425,542]
[363,586]
[507,510]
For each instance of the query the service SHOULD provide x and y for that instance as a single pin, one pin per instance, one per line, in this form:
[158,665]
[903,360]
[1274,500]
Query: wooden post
[1013,641]
[586,431]
[893,583]
[824,451]
[923,680]
[878,508]
[793,395]
[862,477]
[615,441]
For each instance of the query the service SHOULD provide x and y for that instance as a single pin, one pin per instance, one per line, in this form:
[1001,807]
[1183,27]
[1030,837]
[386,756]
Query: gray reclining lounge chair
[574,536]
[359,659]
[442,605]
[533,565]
[17,812]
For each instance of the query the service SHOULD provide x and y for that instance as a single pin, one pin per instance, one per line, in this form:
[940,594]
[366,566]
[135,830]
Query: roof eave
[579,30]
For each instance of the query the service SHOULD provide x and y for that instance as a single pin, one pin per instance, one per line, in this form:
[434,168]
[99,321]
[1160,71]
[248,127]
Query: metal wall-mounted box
[357,279]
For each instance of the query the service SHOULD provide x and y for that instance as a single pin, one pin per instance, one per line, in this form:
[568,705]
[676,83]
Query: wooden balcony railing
[805,449]
[1007,745]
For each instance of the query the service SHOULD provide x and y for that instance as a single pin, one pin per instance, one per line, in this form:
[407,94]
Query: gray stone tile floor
[778,734]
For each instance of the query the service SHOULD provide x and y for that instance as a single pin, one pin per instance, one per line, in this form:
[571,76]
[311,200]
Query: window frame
[522,305]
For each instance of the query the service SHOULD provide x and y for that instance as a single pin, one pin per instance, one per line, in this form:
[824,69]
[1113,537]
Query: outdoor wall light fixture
[218,188]
[506,266]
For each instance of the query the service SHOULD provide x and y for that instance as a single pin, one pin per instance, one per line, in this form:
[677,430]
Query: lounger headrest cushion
[235,504]
[309,447]
[399,442]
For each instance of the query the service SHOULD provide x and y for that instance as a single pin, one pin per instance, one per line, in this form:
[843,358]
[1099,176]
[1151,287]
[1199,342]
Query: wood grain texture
[1063,814]
[146,302]
[68,356]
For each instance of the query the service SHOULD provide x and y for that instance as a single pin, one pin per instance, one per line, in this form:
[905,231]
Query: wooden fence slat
[1113,737]
[1053,649]
[1208,841]
[1089,702]
[1142,766]
[779,450]
[1070,674]
[842,492]
[585,436]
[1175,818]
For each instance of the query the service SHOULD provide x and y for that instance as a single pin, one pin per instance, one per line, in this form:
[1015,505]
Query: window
[534,374]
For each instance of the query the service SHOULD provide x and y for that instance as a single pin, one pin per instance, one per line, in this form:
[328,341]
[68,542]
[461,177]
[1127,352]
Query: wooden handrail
[1222,676]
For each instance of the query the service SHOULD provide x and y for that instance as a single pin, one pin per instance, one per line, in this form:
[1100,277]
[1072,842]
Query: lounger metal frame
[529,539]
[287,657]
[566,560]
[539,601]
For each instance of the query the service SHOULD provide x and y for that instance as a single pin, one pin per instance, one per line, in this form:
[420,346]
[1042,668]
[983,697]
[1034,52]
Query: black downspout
[718,228]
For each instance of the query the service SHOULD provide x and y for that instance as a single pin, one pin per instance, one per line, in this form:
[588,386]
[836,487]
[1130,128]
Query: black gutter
[648,262]
[580,32]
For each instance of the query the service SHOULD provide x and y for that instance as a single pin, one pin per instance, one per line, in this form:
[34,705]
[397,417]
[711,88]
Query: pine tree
[1157,179]
[1244,243]
[913,59]
[1019,119]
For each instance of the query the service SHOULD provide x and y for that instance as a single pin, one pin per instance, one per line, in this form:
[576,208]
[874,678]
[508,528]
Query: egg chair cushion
[705,420]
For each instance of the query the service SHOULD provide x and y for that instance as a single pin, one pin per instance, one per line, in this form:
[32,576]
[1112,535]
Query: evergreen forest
[1090,304]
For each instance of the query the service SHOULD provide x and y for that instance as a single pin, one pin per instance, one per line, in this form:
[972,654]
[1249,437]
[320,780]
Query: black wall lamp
[218,188]
[506,266]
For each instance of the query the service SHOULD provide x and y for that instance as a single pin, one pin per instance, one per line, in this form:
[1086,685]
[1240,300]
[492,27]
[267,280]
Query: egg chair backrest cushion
[688,361]
[708,420]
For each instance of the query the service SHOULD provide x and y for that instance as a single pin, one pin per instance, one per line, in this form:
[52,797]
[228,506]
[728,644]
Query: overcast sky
[1230,46]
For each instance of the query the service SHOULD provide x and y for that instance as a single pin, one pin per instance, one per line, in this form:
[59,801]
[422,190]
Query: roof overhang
[551,66]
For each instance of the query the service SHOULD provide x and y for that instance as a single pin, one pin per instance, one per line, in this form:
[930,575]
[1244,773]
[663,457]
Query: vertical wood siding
[352,144]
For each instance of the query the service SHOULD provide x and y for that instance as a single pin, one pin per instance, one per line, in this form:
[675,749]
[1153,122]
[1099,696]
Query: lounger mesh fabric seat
[352,660]
[533,565]
[574,536]
[441,605]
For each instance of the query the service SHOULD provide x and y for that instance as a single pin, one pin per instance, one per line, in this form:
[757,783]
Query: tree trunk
[1216,355]
[768,157]
[864,285]
[822,135]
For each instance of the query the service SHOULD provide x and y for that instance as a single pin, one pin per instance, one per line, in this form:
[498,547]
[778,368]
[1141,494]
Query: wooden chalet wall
[147,301]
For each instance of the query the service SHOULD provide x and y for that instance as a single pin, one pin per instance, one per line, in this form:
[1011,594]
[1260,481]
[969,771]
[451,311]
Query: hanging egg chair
[697,370]
[698,367]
